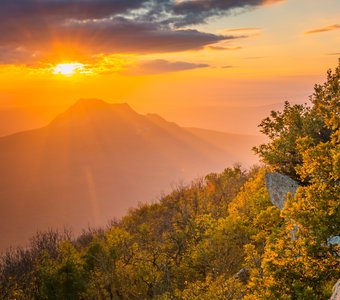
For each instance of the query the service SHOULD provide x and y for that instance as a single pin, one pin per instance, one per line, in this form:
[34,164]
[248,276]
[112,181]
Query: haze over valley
[96,160]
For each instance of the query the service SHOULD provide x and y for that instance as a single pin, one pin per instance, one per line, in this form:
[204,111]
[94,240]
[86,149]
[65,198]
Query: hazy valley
[97,160]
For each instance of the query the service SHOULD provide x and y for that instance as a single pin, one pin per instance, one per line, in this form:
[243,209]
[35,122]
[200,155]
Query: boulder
[279,186]
[336,291]
[333,240]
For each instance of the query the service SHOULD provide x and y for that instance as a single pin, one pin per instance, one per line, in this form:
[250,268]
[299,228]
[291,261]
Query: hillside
[220,237]
[95,161]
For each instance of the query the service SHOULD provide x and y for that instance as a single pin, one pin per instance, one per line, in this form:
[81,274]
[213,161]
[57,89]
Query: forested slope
[219,238]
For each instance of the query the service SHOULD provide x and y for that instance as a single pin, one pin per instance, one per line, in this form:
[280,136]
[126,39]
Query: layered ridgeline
[95,161]
[218,238]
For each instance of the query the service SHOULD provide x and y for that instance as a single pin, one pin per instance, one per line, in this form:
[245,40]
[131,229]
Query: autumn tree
[304,144]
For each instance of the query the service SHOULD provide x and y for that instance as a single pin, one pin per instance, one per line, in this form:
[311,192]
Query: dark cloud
[159,66]
[198,11]
[9,55]
[118,35]
[324,29]
[125,35]
[108,26]
[21,10]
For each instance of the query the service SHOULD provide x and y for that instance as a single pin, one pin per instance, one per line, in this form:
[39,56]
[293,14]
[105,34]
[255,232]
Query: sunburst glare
[69,69]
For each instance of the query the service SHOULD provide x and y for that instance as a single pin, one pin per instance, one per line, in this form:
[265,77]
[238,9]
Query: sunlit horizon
[171,64]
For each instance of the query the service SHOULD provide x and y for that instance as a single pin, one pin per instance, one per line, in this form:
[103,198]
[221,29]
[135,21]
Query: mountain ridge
[94,162]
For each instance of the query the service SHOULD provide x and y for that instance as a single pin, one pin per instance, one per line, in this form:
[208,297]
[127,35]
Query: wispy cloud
[242,29]
[241,32]
[159,66]
[323,29]
[254,57]
[221,48]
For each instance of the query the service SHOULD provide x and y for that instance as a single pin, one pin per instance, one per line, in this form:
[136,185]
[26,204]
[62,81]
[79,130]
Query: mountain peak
[89,103]
[91,108]
[123,107]
[98,104]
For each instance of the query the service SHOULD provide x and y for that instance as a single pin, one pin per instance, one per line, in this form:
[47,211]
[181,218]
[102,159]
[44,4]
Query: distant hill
[95,161]
[240,145]
[239,120]
[15,119]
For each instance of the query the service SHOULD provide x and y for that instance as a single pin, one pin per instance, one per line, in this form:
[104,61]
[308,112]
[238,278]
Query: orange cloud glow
[323,29]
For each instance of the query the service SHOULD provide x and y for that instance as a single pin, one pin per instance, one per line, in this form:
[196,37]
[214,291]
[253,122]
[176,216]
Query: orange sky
[175,58]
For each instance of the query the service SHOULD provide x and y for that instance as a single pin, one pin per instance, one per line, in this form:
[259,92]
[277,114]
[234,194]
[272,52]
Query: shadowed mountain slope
[95,161]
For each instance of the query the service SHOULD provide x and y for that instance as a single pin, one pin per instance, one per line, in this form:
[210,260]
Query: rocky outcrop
[333,240]
[279,186]
[336,291]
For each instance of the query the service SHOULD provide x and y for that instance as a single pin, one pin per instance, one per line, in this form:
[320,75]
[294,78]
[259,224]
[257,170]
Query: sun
[69,69]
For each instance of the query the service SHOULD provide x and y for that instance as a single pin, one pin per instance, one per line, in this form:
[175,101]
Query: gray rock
[333,240]
[279,186]
[336,291]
